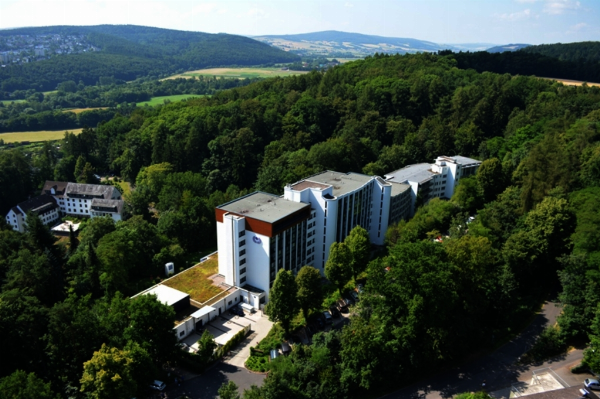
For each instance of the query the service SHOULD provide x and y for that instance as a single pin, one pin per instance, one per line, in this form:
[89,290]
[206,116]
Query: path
[499,369]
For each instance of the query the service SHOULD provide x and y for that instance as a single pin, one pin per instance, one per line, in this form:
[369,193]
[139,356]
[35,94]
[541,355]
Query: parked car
[328,317]
[591,384]
[158,385]
[354,296]
[238,311]
[349,299]
[334,311]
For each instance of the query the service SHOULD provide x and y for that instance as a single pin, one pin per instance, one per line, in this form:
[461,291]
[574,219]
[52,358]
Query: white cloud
[579,26]
[556,7]
[515,16]
[527,1]
[349,5]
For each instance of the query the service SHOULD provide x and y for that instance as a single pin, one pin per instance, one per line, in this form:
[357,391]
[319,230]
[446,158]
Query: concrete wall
[257,260]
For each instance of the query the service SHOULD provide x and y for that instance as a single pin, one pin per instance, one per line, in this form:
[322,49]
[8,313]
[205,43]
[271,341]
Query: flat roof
[304,184]
[398,188]
[263,206]
[419,173]
[343,183]
[203,312]
[465,160]
[167,295]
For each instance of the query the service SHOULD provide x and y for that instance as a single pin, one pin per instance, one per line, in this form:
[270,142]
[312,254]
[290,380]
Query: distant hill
[507,47]
[333,42]
[577,52]
[126,52]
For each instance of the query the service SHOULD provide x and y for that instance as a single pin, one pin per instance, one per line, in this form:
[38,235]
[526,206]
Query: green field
[11,101]
[240,73]
[42,135]
[173,98]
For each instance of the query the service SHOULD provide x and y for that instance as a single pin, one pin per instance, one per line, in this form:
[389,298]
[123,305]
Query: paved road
[206,385]
[499,369]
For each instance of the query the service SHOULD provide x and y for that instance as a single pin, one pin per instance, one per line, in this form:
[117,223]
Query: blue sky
[441,21]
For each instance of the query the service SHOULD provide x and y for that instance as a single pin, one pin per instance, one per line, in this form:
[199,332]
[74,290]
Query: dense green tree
[20,385]
[108,374]
[468,194]
[229,390]
[359,244]
[310,294]
[338,266]
[490,178]
[283,299]
[206,347]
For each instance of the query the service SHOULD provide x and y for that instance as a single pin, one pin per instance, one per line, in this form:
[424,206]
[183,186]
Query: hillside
[507,47]
[576,52]
[331,42]
[125,52]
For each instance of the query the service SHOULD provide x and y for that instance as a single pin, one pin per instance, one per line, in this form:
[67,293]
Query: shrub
[258,363]
[233,342]
[549,343]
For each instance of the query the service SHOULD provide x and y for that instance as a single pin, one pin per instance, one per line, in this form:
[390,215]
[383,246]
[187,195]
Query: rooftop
[343,183]
[459,159]
[59,187]
[420,173]
[263,206]
[89,190]
[107,205]
[398,188]
[196,282]
[166,295]
[64,227]
[37,204]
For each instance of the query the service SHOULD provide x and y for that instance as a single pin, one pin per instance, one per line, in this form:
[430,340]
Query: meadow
[160,100]
[41,135]
[240,73]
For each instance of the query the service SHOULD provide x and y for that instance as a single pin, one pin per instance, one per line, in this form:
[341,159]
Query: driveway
[207,385]
[499,369]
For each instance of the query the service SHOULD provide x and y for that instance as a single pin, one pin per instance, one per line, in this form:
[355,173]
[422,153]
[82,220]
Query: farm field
[41,135]
[80,110]
[240,73]
[160,100]
[568,82]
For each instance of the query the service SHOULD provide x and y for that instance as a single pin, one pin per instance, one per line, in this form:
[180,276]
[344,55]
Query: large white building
[89,200]
[260,233]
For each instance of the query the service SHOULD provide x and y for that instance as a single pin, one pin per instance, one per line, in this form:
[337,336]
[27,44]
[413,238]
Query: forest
[128,52]
[51,111]
[426,304]
[576,61]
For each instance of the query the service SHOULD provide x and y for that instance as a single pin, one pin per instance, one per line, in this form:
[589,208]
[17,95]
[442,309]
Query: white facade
[437,180]
[44,206]
[261,233]
[89,200]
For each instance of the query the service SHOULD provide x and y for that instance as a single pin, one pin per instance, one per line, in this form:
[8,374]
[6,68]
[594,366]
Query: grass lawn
[42,135]
[160,100]
[195,282]
[240,73]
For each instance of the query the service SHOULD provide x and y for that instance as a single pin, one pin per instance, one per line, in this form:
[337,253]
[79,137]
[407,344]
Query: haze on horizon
[440,21]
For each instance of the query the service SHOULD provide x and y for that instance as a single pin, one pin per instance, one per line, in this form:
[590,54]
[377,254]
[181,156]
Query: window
[242,252]
[242,243]
[229,303]
[181,333]
[243,262]
[243,280]
[242,270]
[242,233]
